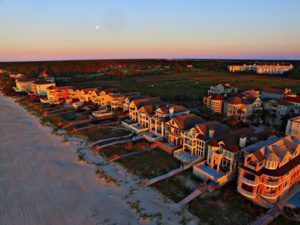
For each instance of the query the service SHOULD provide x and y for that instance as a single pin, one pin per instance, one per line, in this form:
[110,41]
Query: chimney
[171,111]
[243,140]
[211,133]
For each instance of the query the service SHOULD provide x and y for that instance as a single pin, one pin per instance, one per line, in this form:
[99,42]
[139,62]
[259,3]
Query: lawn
[150,164]
[121,149]
[97,133]
[73,116]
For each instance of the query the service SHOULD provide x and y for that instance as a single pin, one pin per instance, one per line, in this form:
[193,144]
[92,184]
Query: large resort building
[269,172]
[261,69]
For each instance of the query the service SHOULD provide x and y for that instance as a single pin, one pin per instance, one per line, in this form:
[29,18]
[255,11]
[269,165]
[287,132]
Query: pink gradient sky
[46,30]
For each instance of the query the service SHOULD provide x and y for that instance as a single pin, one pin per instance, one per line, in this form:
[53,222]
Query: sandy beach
[42,182]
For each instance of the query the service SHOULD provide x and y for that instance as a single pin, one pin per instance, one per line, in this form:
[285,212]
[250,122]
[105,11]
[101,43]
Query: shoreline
[125,180]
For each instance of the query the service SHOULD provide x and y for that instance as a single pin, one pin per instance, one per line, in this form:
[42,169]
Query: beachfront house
[163,115]
[118,99]
[40,87]
[104,96]
[223,154]
[270,171]
[58,94]
[175,128]
[24,84]
[195,140]
[136,104]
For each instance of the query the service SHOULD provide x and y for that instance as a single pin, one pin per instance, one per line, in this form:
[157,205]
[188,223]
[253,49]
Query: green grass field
[185,88]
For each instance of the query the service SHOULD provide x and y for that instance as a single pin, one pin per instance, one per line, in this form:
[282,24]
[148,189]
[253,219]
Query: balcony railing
[272,183]
[246,193]
[269,195]
[248,181]
[251,166]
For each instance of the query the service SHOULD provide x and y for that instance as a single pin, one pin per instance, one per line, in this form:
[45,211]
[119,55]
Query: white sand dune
[42,182]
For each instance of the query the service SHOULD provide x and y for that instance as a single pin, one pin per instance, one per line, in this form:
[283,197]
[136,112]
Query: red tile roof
[214,143]
[185,122]
[278,91]
[231,139]
[292,99]
[235,100]
[177,109]
[146,101]
[149,109]
[216,96]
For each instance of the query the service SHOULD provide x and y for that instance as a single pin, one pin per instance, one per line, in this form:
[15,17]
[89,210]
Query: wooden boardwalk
[115,143]
[201,189]
[117,157]
[59,111]
[164,176]
[108,125]
[268,217]
[109,139]
[171,173]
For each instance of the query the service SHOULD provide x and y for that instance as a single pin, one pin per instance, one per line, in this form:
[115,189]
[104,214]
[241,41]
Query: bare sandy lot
[43,183]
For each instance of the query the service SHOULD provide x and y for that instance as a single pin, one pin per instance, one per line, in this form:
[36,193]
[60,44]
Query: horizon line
[154,58]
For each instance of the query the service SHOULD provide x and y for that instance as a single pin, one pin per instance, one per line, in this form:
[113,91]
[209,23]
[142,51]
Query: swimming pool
[295,200]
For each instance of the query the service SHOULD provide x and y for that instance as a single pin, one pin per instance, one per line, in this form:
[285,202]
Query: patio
[203,171]
[184,156]
[152,137]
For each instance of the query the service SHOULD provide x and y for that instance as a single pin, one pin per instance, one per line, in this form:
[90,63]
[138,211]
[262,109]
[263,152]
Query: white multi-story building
[293,128]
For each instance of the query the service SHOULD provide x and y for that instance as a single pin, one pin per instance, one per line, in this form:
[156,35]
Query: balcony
[246,193]
[269,195]
[272,183]
[248,181]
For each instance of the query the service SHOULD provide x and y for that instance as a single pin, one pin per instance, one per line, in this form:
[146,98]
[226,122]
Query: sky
[112,29]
